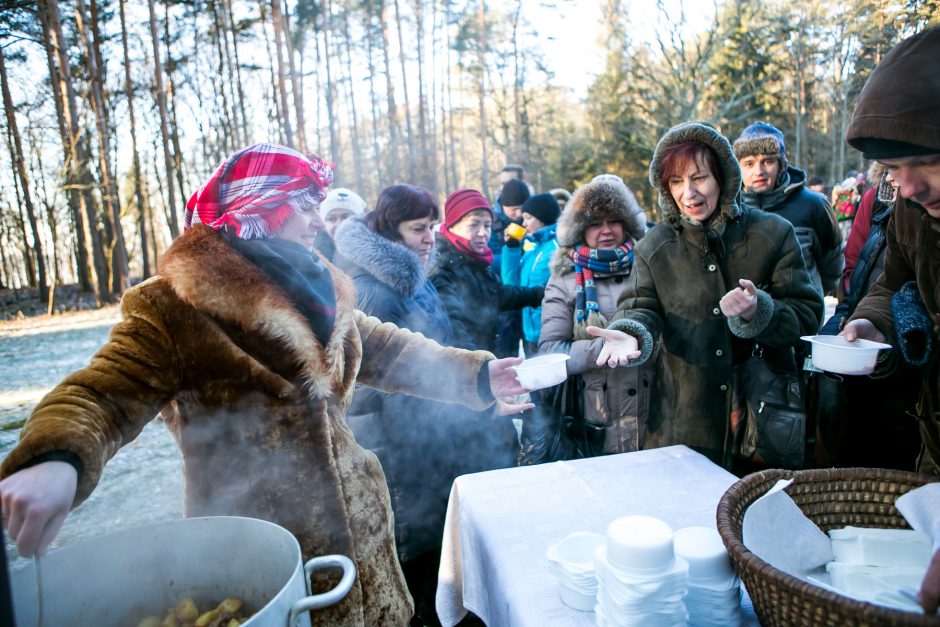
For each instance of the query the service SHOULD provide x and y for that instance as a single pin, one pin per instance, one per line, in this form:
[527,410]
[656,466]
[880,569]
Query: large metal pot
[117,579]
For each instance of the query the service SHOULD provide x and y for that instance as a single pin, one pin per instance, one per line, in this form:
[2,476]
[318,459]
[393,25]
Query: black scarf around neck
[298,272]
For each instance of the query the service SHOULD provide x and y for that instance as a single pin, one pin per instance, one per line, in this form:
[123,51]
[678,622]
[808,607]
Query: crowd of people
[332,365]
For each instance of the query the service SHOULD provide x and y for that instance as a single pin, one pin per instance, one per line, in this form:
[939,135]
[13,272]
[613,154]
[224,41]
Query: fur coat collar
[204,271]
[392,263]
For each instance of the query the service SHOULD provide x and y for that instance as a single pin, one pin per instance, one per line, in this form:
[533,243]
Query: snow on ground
[142,483]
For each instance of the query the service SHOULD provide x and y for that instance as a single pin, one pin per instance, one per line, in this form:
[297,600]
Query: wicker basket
[832,498]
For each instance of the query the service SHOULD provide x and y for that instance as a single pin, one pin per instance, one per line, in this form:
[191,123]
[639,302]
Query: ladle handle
[325,599]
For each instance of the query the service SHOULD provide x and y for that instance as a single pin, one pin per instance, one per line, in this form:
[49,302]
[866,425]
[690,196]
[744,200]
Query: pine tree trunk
[412,158]
[295,88]
[56,277]
[354,122]
[243,117]
[381,167]
[49,209]
[450,142]
[484,131]
[278,22]
[331,119]
[154,223]
[171,110]
[5,245]
[91,42]
[20,222]
[517,88]
[393,159]
[319,90]
[19,165]
[223,85]
[432,106]
[135,154]
[426,176]
[164,127]
[77,153]
[275,93]
[120,280]
[83,270]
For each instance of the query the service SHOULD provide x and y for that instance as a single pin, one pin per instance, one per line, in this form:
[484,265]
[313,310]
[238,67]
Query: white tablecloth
[500,524]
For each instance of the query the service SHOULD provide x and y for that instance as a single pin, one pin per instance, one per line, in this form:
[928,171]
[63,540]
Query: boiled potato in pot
[228,613]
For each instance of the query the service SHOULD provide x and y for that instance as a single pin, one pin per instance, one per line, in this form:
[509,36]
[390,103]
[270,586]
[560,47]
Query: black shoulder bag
[775,429]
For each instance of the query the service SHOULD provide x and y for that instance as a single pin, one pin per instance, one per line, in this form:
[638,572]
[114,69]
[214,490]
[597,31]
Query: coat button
[716,311]
[723,387]
[719,353]
[618,280]
[711,267]
[631,392]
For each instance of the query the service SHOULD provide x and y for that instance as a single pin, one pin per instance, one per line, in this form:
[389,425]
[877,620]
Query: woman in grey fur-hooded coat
[410,435]
[617,398]
[681,271]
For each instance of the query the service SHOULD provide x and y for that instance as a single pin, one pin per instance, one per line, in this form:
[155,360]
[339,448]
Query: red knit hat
[462,202]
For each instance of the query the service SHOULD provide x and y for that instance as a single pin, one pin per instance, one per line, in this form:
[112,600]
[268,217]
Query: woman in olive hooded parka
[711,281]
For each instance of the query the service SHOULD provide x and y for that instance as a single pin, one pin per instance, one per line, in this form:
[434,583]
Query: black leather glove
[539,293]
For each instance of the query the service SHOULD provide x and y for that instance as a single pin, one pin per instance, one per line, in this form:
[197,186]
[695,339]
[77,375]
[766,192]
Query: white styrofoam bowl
[703,549]
[543,371]
[576,550]
[577,600]
[833,353]
[640,545]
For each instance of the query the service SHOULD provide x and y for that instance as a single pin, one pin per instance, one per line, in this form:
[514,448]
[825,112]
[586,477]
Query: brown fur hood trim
[605,197]
[208,274]
[704,134]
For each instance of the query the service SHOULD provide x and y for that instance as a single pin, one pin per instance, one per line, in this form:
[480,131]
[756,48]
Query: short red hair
[678,157]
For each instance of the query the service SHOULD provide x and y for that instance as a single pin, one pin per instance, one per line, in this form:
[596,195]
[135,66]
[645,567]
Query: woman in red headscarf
[249,346]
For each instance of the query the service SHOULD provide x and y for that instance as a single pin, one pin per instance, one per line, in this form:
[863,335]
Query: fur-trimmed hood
[708,135]
[360,248]
[205,272]
[605,197]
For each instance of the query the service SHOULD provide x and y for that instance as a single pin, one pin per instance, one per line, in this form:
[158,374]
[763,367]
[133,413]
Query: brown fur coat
[257,407]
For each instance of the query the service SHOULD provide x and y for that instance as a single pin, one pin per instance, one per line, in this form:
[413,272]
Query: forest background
[116,110]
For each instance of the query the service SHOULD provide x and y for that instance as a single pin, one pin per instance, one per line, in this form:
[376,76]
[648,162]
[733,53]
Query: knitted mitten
[912,325]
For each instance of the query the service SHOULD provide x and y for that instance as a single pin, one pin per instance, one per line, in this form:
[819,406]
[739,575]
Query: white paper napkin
[777,531]
[921,509]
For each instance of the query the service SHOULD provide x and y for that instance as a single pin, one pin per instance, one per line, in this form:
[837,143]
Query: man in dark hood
[895,123]
[771,184]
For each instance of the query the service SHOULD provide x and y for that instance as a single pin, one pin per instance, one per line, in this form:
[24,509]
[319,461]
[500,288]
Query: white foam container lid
[640,545]
[703,549]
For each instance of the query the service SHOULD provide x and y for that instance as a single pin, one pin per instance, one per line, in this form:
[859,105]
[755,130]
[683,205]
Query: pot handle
[324,599]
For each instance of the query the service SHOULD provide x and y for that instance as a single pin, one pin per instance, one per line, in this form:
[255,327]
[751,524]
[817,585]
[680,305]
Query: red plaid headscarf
[257,189]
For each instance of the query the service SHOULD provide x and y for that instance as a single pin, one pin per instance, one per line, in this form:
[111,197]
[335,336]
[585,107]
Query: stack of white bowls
[714,590]
[571,561]
[639,579]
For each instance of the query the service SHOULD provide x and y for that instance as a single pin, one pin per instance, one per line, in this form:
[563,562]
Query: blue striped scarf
[587,261]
